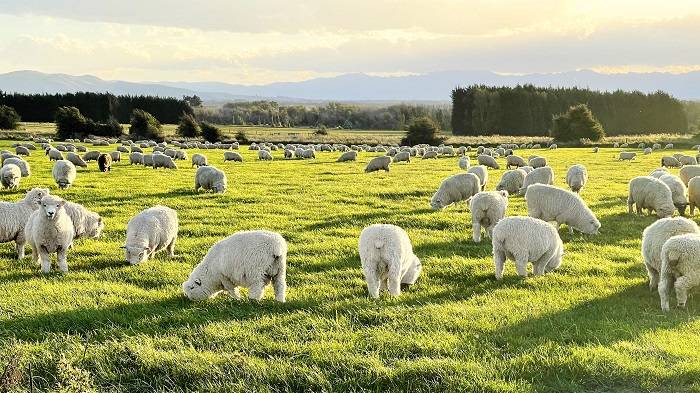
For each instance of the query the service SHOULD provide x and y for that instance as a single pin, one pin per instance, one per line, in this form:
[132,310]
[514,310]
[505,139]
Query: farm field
[592,325]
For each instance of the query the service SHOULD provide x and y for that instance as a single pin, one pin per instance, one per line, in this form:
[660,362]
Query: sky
[265,41]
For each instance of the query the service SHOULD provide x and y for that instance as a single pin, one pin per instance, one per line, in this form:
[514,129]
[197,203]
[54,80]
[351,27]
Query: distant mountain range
[435,86]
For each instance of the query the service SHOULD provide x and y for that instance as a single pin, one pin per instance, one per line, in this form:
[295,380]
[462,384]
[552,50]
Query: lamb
[22,151]
[688,172]
[136,158]
[463,163]
[541,175]
[429,155]
[647,192]
[210,178]
[658,172]
[671,162]
[64,173]
[150,231]
[85,223]
[404,156]
[21,164]
[10,176]
[654,237]
[348,156]
[515,161]
[537,162]
[694,194]
[91,156]
[49,230]
[487,161]
[627,156]
[116,156]
[199,160]
[104,162]
[482,173]
[54,154]
[163,161]
[678,191]
[550,203]
[511,181]
[264,155]
[387,259]
[76,160]
[232,156]
[456,188]
[525,239]
[679,267]
[378,163]
[487,207]
[576,177]
[248,259]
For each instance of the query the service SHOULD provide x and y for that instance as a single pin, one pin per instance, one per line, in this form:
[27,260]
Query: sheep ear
[60,204]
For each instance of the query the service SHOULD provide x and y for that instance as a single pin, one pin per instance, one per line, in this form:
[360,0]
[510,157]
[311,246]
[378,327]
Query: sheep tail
[378,243]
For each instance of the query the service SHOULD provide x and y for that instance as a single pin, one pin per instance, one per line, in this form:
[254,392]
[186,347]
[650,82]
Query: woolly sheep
[180,155]
[64,173]
[429,154]
[656,146]
[49,230]
[150,231]
[22,151]
[54,154]
[136,158]
[616,145]
[163,161]
[199,160]
[487,161]
[515,161]
[378,163]
[576,177]
[116,156]
[463,163]
[658,172]
[248,259]
[627,155]
[672,162]
[647,150]
[487,207]
[527,168]
[694,194]
[680,268]
[404,156]
[550,203]
[289,154]
[15,216]
[136,149]
[553,146]
[91,156]
[625,145]
[650,193]
[678,191]
[347,156]
[10,176]
[85,222]
[542,175]
[21,164]
[687,160]
[456,188]
[210,178]
[76,160]
[232,156]
[668,146]
[654,237]
[104,162]
[511,181]
[387,259]
[525,239]
[537,162]
[482,173]
[81,149]
[688,172]
[264,155]
[306,153]
[123,149]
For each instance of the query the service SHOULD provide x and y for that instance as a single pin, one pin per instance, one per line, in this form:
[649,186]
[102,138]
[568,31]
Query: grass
[590,326]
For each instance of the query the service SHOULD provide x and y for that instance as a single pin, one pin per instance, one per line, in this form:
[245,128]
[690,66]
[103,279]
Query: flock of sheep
[254,259]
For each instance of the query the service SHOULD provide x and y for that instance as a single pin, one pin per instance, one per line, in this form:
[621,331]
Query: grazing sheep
[553,146]
[671,162]
[541,175]
[150,231]
[76,160]
[456,188]
[163,161]
[668,146]
[511,181]
[91,156]
[104,162]
[404,156]
[4,155]
[307,153]
[348,156]
[487,161]
[627,156]
[687,160]
[537,162]
[429,155]
[482,173]
[116,156]
[616,145]
[378,163]
[49,230]
[264,155]
[15,216]
[248,259]
[199,160]
[525,239]
[515,161]
[680,268]
[147,160]
[650,193]
[625,145]
[180,155]
[576,177]
[232,156]
[22,151]
[658,172]
[647,150]
[387,259]
[595,149]
[136,149]
[550,203]
[487,207]
[136,158]
[20,163]
[210,178]
[654,237]
[85,223]
[527,169]
[123,149]
[463,163]
[81,149]
[694,194]
[64,173]
[688,172]
[10,176]
[678,191]
[54,154]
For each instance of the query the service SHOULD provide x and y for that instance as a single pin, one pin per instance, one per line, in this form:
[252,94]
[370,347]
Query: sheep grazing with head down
[541,175]
[654,237]
[576,177]
[147,160]
[85,223]
[104,162]
[688,172]
[54,154]
[537,162]
[670,162]
[91,156]
[264,155]
[378,163]
[210,178]
[511,181]
[680,268]
[232,156]
[163,161]
[523,240]
[482,173]
[550,203]
[487,161]
[15,215]
[658,172]
[116,156]
[678,191]
[150,231]
[429,155]
[403,156]
[136,158]
[49,230]
[487,207]
[199,160]
[10,176]
[456,188]
[64,173]
[76,160]
[247,259]
[348,156]
[22,151]
[627,156]
[463,163]
[650,193]
[387,259]
[515,161]
[23,166]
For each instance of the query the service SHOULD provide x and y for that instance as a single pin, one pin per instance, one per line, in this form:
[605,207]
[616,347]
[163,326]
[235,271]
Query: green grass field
[592,325]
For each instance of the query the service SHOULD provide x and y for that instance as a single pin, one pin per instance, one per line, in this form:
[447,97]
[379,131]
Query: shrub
[145,126]
[188,127]
[241,137]
[9,119]
[422,130]
[112,128]
[70,123]
[211,132]
[578,122]
[322,130]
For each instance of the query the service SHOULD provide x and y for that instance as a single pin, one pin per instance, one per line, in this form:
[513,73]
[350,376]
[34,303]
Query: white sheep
[199,160]
[210,178]
[627,156]
[306,153]
[147,159]
[116,156]
[647,150]
[10,176]
[650,193]
[654,237]
[671,162]
[678,191]
[85,222]
[523,240]
[668,146]
[680,268]
[76,160]
[348,156]
[550,203]
[15,215]
[404,156]
[688,172]
[487,207]
[232,156]
[264,155]
[163,161]
[463,163]
[482,173]
[527,169]
[21,164]
[515,161]
[49,230]
[54,154]
[576,177]
[537,162]
[22,151]
[487,161]
[541,175]
[150,231]
[511,181]
[694,194]
[595,149]
[378,163]
[64,173]
[387,259]
[91,156]
[429,155]
[136,158]
[456,188]
[658,172]
[247,259]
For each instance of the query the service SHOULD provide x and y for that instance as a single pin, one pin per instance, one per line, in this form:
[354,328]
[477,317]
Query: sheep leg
[692,208]
[19,246]
[372,280]
[35,256]
[499,259]
[256,291]
[171,248]
[394,284]
[630,202]
[682,285]
[61,256]
[653,277]
[521,265]
[44,259]
[279,285]
[664,289]
[231,288]
[476,226]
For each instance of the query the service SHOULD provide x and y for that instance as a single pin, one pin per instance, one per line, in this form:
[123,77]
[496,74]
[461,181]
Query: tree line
[529,110]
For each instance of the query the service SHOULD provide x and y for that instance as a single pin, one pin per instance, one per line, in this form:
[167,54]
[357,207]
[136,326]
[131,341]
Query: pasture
[592,325]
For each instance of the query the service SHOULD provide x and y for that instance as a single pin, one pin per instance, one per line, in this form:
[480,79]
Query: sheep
[10,176]
[694,194]
[515,161]
[54,154]
[150,231]
[347,156]
[4,155]
[15,216]
[456,188]
[550,203]
[616,145]
[378,163]
[116,156]
[650,193]
[511,181]
[525,239]
[553,146]
[147,160]
[482,173]
[654,237]
[429,155]
[576,177]
[123,149]
[678,191]
[487,207]
[104,162]
[21,164]
[163,161]
[679,268]
[199,160]
[404,156]
[387,259]
[91,156]
[172,153]
[688,172]
[85,223]
[264,155]
[49,229]
[625,145]
[658,172]
[671,162]
[463,163]
[656,146]
[248,259]
[487,161]
[627,156]
[641,146]
[22,151]
[64,173]
[180,155]
[76,160]
[537,162]
[210,178]
[527,169]
[668,146]
[289,154]
[232,156]
[542,175]
[136,158]
[136,149]
[647,150]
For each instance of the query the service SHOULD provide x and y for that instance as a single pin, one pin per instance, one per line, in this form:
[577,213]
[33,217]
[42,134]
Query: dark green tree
[9,119]
[112,128]
[188,127]
[241,137]
[70,123]
[578,122]
[211,132]
[145,126]
[194,100]
[422,130]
